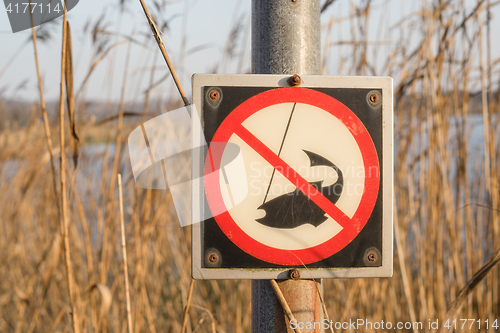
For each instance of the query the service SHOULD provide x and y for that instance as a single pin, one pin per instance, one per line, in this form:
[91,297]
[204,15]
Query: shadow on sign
[163,152]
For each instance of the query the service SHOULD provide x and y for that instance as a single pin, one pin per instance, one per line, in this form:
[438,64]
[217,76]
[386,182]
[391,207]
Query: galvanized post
[285,40]
[286,37]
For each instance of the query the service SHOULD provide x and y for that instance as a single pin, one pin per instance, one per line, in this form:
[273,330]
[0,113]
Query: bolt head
[294,274]
[374,98]
[372,257]
[213,258]
[214,95]
[294,80]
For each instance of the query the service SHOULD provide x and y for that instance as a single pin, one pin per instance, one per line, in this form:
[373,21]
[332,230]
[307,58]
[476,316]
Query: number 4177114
[33,7]
[470,323]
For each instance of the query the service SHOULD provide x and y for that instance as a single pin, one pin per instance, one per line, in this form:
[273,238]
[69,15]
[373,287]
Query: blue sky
[206,25]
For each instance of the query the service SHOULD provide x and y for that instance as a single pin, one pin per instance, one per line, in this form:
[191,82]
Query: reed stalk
[64,218]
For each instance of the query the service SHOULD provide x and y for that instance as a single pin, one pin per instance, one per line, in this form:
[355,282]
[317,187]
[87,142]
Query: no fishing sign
[314,190]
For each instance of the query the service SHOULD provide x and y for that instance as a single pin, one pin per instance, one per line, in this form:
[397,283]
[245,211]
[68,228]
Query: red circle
[368,199]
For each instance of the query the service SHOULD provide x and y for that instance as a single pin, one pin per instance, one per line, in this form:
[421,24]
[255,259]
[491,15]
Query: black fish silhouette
[294,209]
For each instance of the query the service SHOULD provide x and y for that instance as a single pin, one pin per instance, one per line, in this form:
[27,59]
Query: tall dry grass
[446,189]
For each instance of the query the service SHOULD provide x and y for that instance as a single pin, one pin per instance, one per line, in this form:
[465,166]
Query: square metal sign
[298,176]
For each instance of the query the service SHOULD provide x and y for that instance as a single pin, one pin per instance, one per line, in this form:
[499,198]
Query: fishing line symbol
[293,209]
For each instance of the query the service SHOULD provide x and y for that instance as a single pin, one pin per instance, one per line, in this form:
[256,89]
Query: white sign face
[319,192]
[310,129]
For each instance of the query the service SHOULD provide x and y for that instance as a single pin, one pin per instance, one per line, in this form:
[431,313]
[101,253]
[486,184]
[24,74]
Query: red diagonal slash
[281,166]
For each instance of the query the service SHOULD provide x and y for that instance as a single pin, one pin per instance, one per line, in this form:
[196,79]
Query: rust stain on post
[302,298]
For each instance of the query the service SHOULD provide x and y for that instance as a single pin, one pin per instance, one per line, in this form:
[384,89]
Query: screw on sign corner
[294,80]
[374,98]
[214,95]
[372,257]
[294,274]
[213,258]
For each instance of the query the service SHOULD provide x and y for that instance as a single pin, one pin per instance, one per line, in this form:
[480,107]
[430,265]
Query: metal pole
[286,37]
[285,40]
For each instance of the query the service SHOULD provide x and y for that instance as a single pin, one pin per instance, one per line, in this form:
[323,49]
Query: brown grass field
[447,205]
